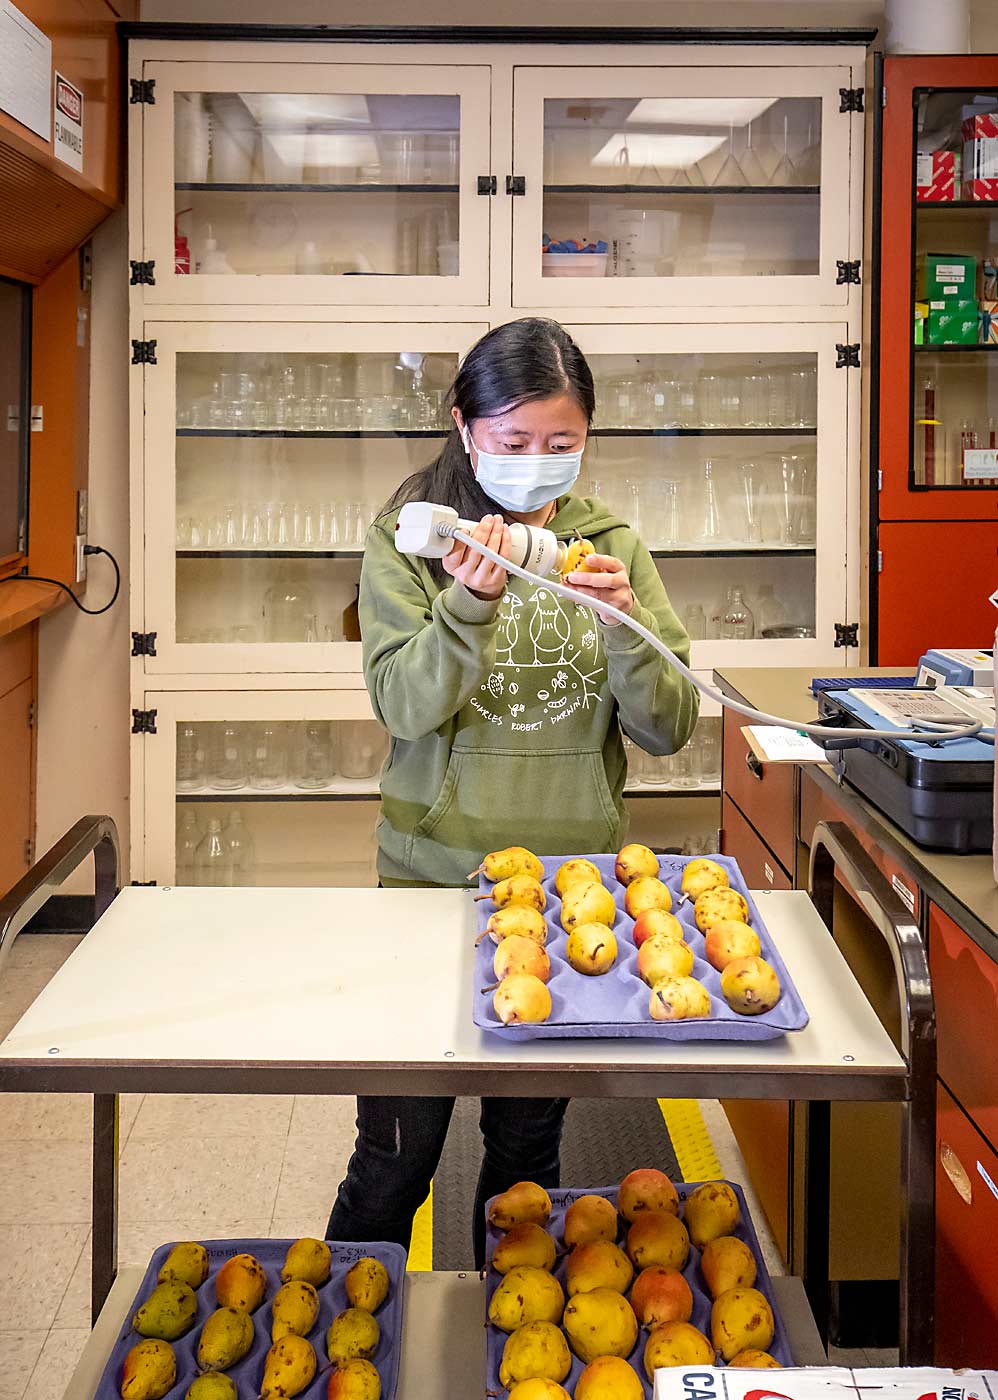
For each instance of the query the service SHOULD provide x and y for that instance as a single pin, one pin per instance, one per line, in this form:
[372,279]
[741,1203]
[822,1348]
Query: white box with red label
[824,1383]
[937,176]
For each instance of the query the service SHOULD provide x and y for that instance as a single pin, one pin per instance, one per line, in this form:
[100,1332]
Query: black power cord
[91,612]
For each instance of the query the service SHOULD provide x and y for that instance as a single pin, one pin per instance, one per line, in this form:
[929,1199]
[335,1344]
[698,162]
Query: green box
[921,316]
[948,277]
[955,325]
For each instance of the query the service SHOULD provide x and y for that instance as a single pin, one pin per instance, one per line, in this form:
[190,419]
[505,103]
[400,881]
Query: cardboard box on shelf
[983,190]
[980,156]
[948,277]
[955,323]
[987,317]
[937,176]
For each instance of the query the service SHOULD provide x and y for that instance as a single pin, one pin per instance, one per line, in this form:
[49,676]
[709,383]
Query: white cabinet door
[260,788]
[316,183]
[267,451]
[726,447]
[704,186]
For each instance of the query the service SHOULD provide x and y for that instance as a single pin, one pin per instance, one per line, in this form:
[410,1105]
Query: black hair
[513,364]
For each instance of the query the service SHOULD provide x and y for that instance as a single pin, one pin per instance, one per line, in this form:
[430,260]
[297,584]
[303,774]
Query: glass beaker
[315,758]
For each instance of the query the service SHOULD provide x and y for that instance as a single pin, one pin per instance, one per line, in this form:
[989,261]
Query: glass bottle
[769,611]
[190,759]
[717,613]
[230,765]
[212,863]
[738,624]
[188,839]
[241,849]
[269,768]
[315,760]
[288,608]
[695,622]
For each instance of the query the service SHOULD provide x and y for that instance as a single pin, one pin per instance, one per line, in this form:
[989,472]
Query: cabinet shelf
[955,349]
[983,206]
[313,432]
[684,190]
[343,790]
[259,187]
[703,432]
[270,553]
[727,552]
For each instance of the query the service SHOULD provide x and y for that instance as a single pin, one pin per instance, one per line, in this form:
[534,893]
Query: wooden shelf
[23,600]
[258,187]
[313,432]
[685,190]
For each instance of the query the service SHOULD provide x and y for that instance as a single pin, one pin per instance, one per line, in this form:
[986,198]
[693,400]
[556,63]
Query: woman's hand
[604,579]
[478,574]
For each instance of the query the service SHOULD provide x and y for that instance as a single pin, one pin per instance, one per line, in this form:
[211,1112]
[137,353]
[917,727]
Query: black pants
[399,1142]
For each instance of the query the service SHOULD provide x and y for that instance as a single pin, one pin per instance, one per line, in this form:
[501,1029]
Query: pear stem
[476,872]
[490,988]
[480,897]
[482,937]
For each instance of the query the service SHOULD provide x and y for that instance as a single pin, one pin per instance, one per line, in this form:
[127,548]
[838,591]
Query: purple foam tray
[616,1004]
[248,1373]
[560,1201]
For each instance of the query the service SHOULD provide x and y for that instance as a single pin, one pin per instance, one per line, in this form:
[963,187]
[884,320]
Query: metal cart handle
[23,901]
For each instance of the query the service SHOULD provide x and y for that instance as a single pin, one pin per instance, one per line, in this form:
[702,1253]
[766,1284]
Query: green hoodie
[505,715]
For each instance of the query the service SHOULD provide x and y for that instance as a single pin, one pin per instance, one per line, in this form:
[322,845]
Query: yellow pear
[727,1262]
[711,1210]
[517,954]
[308,1259]
[352,1335]
[517,921]
[600,1323]
[536,1351]
[290,1366]
[225,1338]
[599,1264]
[661,956]
[358,1380]
[590,1218]
[149,1370]
[750,986]
[526,1244]
[751,1360]
[701,875]
[657,922]
[168,1312]
[679,999]
[587,904]
[524,1201]
[213,1385]
[518,889]
[185,1263]
[728,940]
[635,861]
[522,999]
[591,949]
[741,1320]
[575,557]
[645,1189]
[241,1283]
[644,893]
[526,1295]
[513,860]
[676,1344]
[538,1388]
[294,1309]
[575,872]
[609,1378]
[658,1237]
[366,1284]
[714,905]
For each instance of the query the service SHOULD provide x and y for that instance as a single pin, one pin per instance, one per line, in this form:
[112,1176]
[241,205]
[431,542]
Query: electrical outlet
[81,559]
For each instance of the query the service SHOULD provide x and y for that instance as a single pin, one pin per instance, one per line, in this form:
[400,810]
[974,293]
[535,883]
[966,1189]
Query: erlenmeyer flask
[730,173]
[750,159]
[785,172]
[809,161]
[709,531]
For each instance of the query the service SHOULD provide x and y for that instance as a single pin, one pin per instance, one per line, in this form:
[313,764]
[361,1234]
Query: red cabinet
[966,1230]
[961,558]
[965,986]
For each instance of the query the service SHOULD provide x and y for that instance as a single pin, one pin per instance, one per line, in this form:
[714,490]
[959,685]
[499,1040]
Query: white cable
[933,732]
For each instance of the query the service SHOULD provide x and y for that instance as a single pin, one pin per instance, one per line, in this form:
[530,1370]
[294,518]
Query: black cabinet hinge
[143,884]
[847,272]
[144,352]
[516,184]
[143,643]
[487,184]
[851,99]
[143,273]
[143,90]
[847,634]
[847,356]
[144,722]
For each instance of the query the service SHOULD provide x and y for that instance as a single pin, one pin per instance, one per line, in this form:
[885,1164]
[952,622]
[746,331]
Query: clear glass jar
[695,622]
[190,759]
[189,836]
[212,861]
[737,624]
[288,609]
[241,849]
[315,758]
[230,760]
[363,748]
[269,768]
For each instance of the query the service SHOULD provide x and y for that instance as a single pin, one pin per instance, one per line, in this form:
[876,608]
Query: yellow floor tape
[690,1140]
[421,1249]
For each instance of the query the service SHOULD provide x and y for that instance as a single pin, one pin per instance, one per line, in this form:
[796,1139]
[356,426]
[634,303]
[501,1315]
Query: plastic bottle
[241,849]
[738,624]
[213,259]
[212,862]
[188,839]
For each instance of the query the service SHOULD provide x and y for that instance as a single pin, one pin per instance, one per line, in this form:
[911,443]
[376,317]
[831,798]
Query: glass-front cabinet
[680,186]
[318,182]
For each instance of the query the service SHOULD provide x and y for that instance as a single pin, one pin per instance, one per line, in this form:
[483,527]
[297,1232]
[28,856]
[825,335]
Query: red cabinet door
[934,587]
[966,1230]
[965,986]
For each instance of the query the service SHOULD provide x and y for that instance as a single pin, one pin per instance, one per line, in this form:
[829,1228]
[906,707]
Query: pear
[750,986]
[353,1335]
[714,905]
[536,1351]
[727,1262]
[225,1338]
[357,1380]
[635,861]
[679,999]
[212,1386]
[661,1295]
[512,860]
[590,1218]
[600,1323]
[526,1244]
[294,1309]
[525,1201]
[517,921]
[657,922]
[517,954]
[656,1237]
[149,1370]
[526,1295]
[290,1366]
[661,956]
[185,1263]
[644,1189]
[754,1360]
[587,904]
[576,872]
[518,889]
[241,1283]
[591,949]
[727,940]
[366,1284]
[609,1378]
[646,892]
[676,1344]
[308,1259]
[741,1319]
[168,1312]
[711,1210]
[701,875]
[538,1388]
[522,999]
[575,557]
[600,1264]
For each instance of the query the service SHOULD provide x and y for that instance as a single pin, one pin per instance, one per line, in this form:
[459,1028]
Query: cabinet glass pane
[282,462]
[955,287]
[263,802]
[712,459]
[286,183]
[682,187]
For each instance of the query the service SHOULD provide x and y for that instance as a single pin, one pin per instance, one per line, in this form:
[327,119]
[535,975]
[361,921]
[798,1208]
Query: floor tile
[330,1116]
[36,1264]
[45,1183]
[199,1179]
[48,950]
[20,1352]
[59,1116]
[310,1174]
[212,1115]
[57,1362]
[293,1227]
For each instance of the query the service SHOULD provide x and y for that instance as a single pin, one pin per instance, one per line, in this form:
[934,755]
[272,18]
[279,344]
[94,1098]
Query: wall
[83,710]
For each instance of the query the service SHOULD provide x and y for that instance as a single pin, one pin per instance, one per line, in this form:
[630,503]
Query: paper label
[824,1383]
[980,463]
[923,169]
[951,272]
[67,123]
[768,871]
[25,71]
[773,744]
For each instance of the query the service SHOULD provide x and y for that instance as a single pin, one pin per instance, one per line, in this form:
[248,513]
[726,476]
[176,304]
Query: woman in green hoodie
[505,707]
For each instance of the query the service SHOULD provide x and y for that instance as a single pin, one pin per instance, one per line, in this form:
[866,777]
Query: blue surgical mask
[524,481]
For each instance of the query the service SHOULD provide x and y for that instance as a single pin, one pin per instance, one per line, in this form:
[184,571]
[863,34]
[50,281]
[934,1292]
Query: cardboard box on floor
[824,1383]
